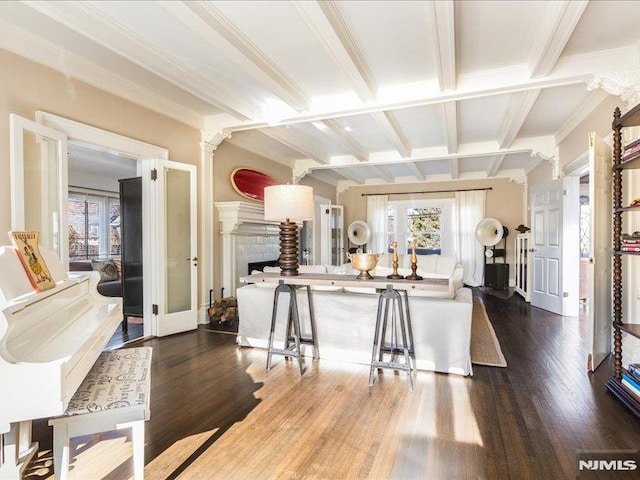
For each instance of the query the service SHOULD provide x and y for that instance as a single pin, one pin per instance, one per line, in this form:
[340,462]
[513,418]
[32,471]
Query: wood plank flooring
[216,413]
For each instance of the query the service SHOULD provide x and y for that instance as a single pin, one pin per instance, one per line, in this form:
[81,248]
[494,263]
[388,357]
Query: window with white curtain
[429,222]
[94,225]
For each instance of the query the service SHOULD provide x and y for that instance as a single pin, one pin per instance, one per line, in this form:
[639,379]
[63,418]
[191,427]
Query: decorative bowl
[364,262]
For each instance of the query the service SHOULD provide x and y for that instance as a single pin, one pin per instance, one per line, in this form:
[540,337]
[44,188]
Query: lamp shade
[292,202]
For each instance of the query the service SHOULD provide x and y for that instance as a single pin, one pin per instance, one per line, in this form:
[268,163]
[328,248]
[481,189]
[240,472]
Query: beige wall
[229,157]
[504,202]
[599,121]
[26,87]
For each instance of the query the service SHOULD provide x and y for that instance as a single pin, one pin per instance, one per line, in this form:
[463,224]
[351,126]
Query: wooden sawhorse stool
[113,395]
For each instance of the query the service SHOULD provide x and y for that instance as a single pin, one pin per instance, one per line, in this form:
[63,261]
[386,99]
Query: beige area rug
[485,348]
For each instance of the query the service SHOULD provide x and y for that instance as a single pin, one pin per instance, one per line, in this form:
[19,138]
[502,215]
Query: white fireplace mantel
[246,237]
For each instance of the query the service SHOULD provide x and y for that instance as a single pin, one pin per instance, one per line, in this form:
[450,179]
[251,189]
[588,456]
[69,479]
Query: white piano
[48,343]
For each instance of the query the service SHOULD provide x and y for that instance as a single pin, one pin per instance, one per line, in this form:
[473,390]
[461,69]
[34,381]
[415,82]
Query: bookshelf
[632,118]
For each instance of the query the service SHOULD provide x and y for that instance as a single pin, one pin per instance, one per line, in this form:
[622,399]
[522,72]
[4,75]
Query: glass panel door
[177,238]
[170,240]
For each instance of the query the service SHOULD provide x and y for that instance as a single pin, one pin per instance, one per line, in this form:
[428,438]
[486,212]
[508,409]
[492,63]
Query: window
[428,222]
[94,225]
[585,226]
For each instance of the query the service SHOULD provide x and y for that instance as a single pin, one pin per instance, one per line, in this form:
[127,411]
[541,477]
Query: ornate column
[207,264]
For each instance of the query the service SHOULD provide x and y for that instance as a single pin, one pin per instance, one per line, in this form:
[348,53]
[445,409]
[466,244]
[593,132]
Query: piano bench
[113,395]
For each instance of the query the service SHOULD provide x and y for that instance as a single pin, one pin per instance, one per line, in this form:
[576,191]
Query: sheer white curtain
[469,212]
[377,220]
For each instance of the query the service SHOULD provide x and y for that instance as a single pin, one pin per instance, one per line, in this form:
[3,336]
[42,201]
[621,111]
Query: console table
[389,290]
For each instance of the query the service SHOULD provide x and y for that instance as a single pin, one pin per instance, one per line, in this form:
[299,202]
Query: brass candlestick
[394,259]
[414,264]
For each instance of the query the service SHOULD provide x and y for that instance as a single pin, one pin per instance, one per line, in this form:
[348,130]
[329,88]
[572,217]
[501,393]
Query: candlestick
[414,264]
[394,260]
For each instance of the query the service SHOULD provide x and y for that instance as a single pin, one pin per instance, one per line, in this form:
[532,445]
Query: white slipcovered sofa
[345,317]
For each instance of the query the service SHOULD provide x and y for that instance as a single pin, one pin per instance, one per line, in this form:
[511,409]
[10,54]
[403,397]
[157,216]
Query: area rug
[485,348]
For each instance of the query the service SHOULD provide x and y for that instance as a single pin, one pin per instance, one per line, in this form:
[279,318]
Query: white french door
[170,246]
[600,243]
[555,240]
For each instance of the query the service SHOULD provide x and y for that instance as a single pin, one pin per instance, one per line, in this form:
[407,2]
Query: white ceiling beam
[389,126]
[578,69]
[495,165]
[416,171]
[562,18]
[207,22]
[89,21]
[341,136]
[519,107]
[340,30]
[325,21]
[455,170]
[595,98]
[444,41]
[348,174]
[296,143]
[382,172]
[543,147]
[451,125]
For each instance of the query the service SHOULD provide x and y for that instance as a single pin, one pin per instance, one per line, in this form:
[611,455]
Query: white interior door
[170,238]
[38,166]
[600,202]
[555,243]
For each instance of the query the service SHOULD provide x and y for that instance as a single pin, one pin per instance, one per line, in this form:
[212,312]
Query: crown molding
[595,98]
[34,48]
[87,20]
[623,84]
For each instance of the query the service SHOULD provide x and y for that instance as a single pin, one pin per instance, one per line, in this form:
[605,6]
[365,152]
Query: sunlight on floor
[465,426]
[172,458]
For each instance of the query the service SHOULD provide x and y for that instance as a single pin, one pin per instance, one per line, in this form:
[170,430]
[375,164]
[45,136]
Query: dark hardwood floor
[215,413]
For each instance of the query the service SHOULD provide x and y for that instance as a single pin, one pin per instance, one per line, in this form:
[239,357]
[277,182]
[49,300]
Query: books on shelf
[634,370]
[631,383]
[632,144]
[26,245]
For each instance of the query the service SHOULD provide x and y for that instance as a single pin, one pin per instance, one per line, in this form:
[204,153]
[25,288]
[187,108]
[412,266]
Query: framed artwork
[26,245]
[250,183]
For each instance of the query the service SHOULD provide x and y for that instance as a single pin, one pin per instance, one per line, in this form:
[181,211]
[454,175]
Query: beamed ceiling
[352,92]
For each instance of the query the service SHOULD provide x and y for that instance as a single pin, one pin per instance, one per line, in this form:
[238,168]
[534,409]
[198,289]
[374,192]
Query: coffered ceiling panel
[553,106]
[480,119]
[494,34]
[395,39]
[604,25]
[423,126]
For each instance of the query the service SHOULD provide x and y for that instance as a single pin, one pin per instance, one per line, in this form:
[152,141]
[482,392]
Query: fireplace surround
[246,237]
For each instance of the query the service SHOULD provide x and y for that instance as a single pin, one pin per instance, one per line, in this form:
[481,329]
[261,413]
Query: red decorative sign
[250,183]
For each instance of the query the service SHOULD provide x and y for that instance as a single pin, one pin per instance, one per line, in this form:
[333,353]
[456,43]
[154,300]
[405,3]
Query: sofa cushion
[426,263]
[107,269]
[445,265]
[312,269]
[80,266]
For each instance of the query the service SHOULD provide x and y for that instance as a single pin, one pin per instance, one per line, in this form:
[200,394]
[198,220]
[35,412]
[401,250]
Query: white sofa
[345,320]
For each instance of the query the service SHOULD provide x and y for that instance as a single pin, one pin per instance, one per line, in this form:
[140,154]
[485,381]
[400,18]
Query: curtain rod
[429,191]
